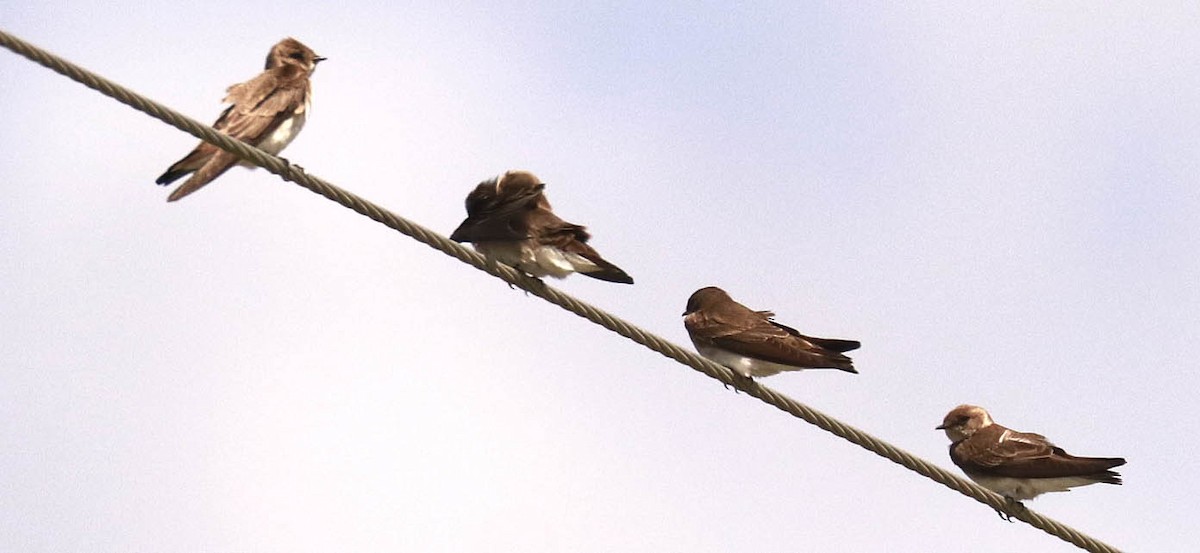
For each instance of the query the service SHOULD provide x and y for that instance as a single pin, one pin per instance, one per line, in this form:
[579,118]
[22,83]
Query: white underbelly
[279,138]
[284,134]
[539,261]
[1029,488]
[741,364]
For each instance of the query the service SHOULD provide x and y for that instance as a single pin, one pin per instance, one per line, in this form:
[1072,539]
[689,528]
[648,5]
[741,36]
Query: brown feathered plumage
[1018,465]
[752,344]
[510,219]
[266,111]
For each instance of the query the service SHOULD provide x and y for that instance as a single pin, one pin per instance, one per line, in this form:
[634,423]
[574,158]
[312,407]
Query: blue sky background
[998,200]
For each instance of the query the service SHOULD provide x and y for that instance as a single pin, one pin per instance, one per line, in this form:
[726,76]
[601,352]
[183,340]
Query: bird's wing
[831,344]
[1002,452]
[735,328]
[547,229]
[261,104]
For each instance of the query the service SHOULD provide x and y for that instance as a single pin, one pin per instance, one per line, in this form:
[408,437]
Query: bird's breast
[284,134]
[742,364]
[1022,489]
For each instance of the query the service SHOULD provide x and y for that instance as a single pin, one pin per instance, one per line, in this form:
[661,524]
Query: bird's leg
[534,282]
[291,170]
[1012,505]
[739,380]
[293,167]
[493,266]
[530,280]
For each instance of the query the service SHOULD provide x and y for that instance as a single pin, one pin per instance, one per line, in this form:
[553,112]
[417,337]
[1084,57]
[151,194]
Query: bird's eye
[296,55]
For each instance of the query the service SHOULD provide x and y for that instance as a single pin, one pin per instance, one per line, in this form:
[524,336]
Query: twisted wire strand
[291,173]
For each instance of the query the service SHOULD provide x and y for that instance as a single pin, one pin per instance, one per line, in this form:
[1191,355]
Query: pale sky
[999,201]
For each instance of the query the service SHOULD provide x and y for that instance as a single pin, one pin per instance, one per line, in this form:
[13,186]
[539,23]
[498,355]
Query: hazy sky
[999,201]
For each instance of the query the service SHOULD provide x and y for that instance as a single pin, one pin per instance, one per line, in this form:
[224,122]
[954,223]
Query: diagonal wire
[289,172]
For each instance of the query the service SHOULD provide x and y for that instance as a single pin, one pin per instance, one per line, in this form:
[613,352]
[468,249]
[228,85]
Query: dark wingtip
[168,177]
[850,370]
[611,275]
[851,345]
[838,345]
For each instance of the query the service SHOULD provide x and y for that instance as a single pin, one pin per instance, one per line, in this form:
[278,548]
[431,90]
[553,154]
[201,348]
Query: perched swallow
[510,220]
[1018,465]
[267,111]
[749,343]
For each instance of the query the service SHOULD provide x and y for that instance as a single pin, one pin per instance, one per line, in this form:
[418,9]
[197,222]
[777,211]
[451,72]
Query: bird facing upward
[267,111]
[751,344]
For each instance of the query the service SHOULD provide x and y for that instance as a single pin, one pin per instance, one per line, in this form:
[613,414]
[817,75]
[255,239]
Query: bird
[749,343]
[267,112]
[1018,465]
[510,220]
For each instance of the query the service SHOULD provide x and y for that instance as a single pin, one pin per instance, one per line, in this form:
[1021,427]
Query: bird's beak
[940,427]
[319,59]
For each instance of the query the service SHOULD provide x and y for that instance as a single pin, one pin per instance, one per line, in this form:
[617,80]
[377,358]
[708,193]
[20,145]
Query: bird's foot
[493,267]
[1013,506]
[534,282]
[531,282]
[739,380]
[293,168]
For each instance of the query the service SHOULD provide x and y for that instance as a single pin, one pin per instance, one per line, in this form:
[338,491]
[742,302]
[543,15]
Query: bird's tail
[1108,477]
[610,273]
[213,168]
[844,364]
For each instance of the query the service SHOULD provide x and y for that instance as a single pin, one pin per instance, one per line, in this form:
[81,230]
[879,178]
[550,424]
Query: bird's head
[963,421]
[705,297]
[290,51]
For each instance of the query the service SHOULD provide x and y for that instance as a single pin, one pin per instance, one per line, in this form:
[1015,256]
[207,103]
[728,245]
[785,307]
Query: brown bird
[1018,465]
[267,111]
[510,220]
[749,343]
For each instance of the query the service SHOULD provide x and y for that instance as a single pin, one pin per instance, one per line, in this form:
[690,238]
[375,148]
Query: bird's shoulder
[281,89]
[735,321]
[995,446]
